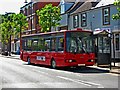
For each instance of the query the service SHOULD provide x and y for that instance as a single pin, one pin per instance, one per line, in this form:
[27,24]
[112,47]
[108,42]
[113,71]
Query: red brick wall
[36,6]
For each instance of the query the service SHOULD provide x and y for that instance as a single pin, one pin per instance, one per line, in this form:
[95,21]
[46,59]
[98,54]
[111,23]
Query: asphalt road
[15,73]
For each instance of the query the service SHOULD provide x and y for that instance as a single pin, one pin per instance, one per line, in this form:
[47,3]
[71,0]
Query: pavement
[114,69]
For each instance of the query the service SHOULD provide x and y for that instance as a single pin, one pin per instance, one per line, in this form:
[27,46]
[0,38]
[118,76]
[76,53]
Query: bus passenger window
[41,44]
[47,44]
[53,48]
[60,44]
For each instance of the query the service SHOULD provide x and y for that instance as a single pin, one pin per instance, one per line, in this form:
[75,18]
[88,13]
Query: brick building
[29,10]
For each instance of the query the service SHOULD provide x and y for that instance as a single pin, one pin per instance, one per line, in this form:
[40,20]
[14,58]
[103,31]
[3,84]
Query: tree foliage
[49,16]
[11,25]
[20,23]
[5,28]
[117,15]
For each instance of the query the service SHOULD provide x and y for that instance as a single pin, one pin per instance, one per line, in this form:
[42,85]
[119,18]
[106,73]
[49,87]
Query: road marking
[82,82]
[73,80]
[40,71]
[91,83]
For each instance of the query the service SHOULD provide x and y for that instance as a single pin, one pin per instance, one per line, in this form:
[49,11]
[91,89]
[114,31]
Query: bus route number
[42,58]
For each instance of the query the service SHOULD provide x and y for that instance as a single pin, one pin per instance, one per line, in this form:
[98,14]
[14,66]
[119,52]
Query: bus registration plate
[81,64]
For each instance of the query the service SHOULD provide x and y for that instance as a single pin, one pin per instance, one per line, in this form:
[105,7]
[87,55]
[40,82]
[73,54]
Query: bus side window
[41,44]
[47,45]
[60,44]
[35,45]
[53,47]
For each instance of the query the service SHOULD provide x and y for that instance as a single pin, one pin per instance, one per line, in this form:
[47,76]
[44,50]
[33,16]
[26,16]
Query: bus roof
[55,32]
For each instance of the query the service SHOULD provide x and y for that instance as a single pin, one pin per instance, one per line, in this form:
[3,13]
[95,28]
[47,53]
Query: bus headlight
[90,60]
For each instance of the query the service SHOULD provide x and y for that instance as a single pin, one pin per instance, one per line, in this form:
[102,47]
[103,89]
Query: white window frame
[76,21]
[106,15]
[83,20]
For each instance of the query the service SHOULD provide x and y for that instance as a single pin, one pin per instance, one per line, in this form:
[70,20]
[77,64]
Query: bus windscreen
[79,42]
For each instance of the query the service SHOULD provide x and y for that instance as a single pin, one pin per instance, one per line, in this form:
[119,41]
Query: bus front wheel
[28,61]
[53,64]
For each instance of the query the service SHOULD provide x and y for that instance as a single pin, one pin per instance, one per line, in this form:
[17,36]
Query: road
[15,73]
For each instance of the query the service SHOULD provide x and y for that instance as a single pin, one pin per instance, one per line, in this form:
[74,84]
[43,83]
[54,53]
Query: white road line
[73,80]
[91,83]
[83,82]
[40,71]
[100,86]
[43,72]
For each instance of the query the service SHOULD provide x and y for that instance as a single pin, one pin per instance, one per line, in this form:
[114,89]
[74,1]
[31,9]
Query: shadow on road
[86,70]
[81,69]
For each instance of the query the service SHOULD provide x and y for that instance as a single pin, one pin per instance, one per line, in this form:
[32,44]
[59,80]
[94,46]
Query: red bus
[59,48]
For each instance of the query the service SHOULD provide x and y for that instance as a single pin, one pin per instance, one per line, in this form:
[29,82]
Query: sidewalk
[114,69]
[13,56]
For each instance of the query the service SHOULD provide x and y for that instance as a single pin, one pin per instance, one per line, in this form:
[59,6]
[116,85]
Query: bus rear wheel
[53,64]
[28,61]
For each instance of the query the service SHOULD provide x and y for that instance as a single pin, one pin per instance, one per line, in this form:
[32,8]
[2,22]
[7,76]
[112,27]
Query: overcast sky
[14,5]
[11,5]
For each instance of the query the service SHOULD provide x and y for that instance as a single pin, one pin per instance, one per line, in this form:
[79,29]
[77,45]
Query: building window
[117,40]
[62,8]
[33,22]
[83,20]
[106,16]
[25,11]
[75,21]
[29,10]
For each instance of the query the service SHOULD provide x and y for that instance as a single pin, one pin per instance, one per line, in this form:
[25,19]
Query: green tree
[49,16]
[117,15]
[12,24]
[20,23]
[5,31]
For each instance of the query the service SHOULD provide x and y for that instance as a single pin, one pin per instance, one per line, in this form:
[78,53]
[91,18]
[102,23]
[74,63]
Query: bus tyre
[28,60]
[53,64]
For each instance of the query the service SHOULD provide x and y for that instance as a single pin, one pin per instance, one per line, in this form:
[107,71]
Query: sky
[14,5]
[11,6]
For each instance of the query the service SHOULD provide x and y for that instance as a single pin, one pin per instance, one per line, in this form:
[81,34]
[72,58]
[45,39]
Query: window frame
[117,47]
[82,20]
[76,21]
[105,16]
